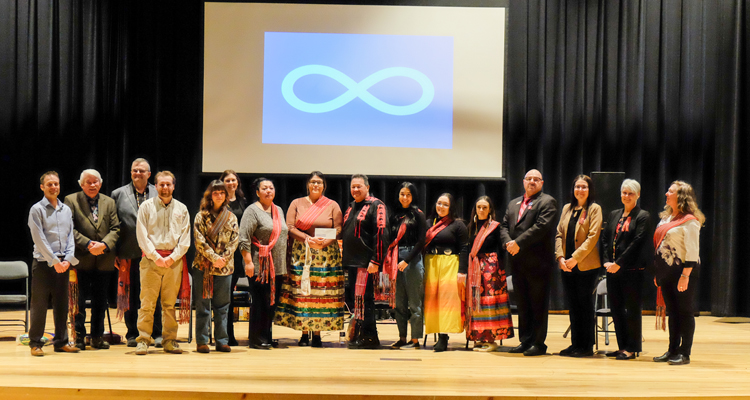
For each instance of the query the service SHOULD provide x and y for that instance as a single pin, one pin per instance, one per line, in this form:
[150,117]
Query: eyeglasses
[532,179]
[316,183]
[581,188]
[139,171]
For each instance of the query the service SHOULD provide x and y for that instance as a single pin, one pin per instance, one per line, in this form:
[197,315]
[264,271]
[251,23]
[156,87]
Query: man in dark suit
[527,234]
[96,229]
[128,199]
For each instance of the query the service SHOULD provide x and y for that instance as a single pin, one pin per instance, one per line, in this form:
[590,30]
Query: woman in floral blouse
[216,238]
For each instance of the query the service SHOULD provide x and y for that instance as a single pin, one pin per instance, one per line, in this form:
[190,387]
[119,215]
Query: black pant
[579,294]
[238,273]
[625,290]
[261,311]
[680,311]
[368,328]
[131,316]
[46,282]
[92,285]
[531,287]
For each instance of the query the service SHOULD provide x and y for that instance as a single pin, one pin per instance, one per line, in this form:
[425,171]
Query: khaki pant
[155,280]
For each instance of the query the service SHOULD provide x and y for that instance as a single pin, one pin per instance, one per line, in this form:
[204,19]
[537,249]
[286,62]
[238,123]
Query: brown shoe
[224,348]
[37,352]
[67,349]
[203,348]
[171,346]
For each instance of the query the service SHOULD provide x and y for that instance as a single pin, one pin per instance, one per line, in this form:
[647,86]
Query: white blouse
[681,242]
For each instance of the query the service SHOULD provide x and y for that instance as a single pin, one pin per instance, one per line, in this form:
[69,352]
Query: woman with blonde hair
[677,245]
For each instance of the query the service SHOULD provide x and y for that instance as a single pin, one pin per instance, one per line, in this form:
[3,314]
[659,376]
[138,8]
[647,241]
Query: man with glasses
[129,199]
[527,234]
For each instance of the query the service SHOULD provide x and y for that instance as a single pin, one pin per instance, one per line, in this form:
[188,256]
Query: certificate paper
[325,233]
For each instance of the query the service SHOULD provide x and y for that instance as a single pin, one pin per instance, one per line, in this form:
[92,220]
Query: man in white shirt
[163,232]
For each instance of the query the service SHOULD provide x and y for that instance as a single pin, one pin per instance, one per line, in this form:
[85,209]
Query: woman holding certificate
[313,292]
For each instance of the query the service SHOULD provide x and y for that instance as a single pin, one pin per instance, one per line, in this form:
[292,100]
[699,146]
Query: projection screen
[380,90]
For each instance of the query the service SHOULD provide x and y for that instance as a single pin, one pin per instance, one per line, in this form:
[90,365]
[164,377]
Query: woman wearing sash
[446,264]
[216,238]
[263,236]
[313,291]
[487,311]
[677,245]
[404,266]
[626,249]
[236,203]
[577,253]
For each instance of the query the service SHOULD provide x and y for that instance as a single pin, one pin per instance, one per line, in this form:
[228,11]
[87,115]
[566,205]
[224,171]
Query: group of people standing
[440,275]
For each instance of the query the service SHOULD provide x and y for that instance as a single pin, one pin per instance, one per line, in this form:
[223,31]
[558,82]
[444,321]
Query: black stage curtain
[653,88]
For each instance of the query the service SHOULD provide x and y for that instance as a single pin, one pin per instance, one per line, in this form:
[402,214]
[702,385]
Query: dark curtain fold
[657,89]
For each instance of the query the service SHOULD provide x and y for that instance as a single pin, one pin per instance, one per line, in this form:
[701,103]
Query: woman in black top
[236,203]
[626,249]
[446,264]
[408,228]
[487,311]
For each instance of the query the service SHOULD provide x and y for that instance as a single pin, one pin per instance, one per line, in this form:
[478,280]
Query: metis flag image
[358,90]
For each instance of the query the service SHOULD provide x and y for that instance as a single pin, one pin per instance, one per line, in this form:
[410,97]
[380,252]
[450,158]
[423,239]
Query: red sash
[184,316]
[307,220]
[123,286]
[659,235]
[267,273]
[390,266]
[435,229]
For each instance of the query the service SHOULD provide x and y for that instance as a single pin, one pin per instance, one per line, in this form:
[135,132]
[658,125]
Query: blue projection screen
[381,90]
[320,88]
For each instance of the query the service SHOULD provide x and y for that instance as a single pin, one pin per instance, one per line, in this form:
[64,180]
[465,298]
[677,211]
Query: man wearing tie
[527,234]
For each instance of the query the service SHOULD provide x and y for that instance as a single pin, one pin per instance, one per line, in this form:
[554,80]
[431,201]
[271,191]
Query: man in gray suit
[95,229]
[128,199]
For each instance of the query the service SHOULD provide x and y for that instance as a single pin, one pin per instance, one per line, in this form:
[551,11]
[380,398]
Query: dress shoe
[370,343]
[623,356]
[566,352]
[679,359]
[582,353]
[316,341]
[535,351]
[203,348]
[37,352]
[80,344]
[67,349]
[275,343]
[664,357]
[260,346]
[442,343]
[355,344]
[224,348]
[613,353]
[399,344]
[233,342]
[99,343]
[132,342]
[519,349]
[304,340]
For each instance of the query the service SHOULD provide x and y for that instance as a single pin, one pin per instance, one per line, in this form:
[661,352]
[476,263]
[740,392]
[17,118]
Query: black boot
[356,338]
[304,340]
[442,343]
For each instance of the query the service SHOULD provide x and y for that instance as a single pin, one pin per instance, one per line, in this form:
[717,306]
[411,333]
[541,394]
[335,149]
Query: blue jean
[410,295]
[220,304]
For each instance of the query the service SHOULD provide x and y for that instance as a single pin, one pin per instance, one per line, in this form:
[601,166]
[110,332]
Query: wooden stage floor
[719,368]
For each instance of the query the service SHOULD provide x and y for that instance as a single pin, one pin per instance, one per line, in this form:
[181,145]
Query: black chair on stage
[15,271]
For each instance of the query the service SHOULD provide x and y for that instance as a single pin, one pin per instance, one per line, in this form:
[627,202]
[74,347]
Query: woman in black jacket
[626,249]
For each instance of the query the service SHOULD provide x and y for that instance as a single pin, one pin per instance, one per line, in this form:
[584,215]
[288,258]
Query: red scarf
[435,229]
[659,235]
[390,267]
[184,317]
[475,273]
[267,272]
[123,286]
[317,208]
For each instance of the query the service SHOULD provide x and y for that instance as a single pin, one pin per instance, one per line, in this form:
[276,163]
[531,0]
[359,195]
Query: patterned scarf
[123,286]
[659,235]
[73,301]
[266,271]
[211,237]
